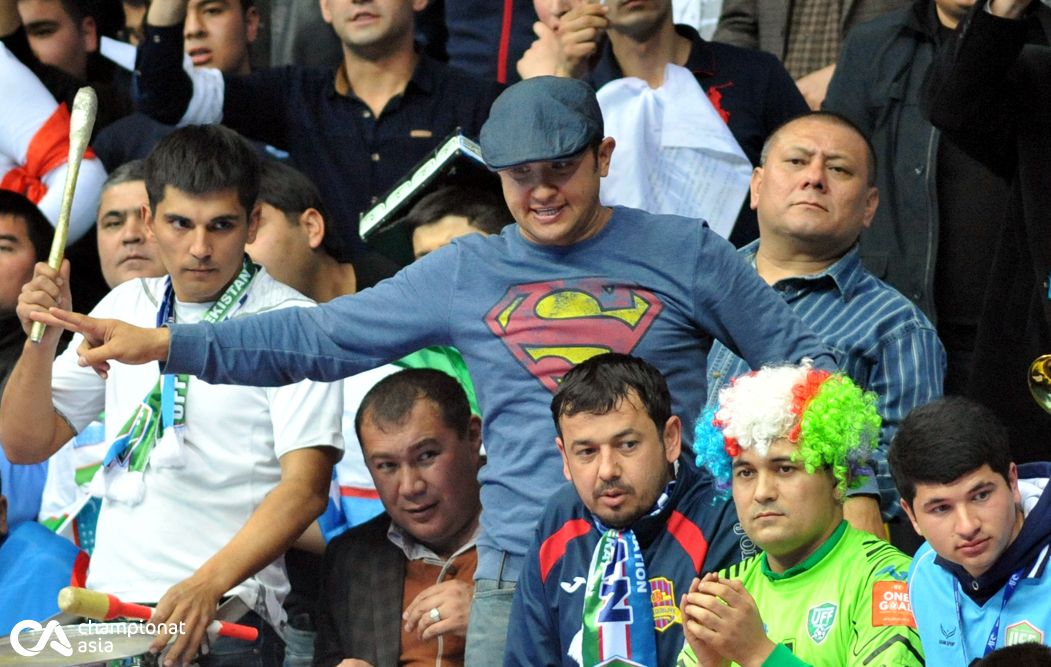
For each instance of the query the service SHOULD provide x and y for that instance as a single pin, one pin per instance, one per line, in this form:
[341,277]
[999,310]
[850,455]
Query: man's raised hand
[543,56]
[581,31]
[47,289]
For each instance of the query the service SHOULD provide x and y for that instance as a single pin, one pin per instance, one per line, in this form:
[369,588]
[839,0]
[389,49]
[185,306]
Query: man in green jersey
[788,441]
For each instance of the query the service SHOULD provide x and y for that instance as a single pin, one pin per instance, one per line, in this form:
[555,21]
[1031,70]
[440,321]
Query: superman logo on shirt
[552,326]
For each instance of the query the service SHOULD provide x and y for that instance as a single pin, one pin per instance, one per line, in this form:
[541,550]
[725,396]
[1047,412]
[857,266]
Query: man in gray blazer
[397,589]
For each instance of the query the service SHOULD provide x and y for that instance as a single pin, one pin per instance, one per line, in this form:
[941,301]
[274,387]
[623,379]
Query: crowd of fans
[762,281]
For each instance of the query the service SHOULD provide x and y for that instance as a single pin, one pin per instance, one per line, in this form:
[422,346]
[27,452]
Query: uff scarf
[153,434]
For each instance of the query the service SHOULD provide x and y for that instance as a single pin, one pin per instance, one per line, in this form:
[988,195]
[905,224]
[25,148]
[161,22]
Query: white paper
[674,152]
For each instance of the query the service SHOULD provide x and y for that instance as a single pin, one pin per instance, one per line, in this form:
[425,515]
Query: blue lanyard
[234,295]
[165,316]
[990,644]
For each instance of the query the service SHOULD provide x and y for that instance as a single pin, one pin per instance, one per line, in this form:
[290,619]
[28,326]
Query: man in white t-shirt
[204,486]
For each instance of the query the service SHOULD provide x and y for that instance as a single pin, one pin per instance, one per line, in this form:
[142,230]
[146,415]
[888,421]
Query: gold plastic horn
[1040,381]
[81,120]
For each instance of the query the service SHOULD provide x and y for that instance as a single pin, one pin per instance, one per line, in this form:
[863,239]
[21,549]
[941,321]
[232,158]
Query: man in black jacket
[939,206]
[991,92]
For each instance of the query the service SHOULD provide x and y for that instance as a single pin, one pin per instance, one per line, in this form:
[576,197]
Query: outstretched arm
[337,339]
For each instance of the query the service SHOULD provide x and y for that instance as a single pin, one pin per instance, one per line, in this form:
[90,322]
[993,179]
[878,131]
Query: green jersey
[447,360]
[847,604]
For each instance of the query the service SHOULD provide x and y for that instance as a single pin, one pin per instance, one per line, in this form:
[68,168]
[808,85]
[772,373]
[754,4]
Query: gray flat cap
[541,119]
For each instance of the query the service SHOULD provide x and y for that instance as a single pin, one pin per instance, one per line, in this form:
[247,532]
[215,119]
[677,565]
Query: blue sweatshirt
[522,314]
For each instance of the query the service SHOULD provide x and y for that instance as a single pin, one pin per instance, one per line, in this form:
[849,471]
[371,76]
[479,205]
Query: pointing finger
[77,323]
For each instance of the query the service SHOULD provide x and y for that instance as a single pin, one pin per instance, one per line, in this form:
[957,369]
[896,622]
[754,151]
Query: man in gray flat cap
[572,279]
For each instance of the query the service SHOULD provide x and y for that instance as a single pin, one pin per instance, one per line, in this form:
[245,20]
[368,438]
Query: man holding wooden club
[204,486]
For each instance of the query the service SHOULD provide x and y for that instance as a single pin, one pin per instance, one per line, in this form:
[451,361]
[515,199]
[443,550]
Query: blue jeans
[299,647]
[487,627]
[266,651]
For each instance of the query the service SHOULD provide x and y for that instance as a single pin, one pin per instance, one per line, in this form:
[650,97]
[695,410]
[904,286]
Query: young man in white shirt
[205,486]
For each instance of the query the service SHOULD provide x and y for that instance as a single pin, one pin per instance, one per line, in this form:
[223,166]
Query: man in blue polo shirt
[814,192]
[366,124]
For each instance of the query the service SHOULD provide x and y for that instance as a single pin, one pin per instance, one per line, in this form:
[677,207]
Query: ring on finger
[435,615]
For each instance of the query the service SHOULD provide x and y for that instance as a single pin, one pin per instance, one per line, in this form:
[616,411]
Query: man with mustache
[413,565]
[614,549]
[126,250]
[814,193]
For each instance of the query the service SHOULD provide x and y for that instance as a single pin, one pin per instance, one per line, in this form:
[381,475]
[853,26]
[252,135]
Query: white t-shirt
[233,438]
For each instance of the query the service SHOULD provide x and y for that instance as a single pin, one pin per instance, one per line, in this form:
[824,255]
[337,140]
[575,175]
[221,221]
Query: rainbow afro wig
[832,420]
